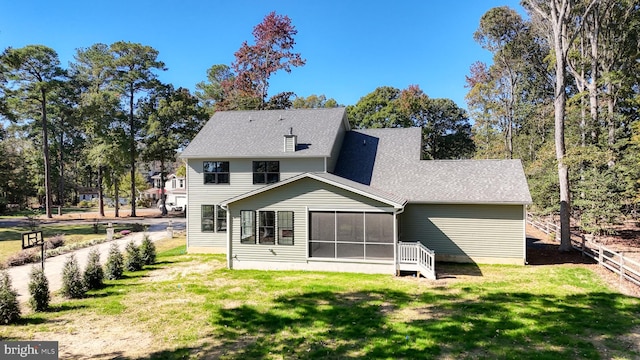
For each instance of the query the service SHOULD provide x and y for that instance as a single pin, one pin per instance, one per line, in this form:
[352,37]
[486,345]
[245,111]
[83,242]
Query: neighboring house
[175,190]
[298,189]
[87,194]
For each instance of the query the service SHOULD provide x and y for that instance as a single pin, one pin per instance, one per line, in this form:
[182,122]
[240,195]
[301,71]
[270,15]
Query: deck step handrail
[418,254]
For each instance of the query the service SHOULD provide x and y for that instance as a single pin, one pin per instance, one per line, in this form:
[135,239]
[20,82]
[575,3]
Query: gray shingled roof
[239,134]
[397,169]
[355,187]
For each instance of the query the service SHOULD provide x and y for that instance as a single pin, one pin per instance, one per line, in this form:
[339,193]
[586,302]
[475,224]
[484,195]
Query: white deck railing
[413,256]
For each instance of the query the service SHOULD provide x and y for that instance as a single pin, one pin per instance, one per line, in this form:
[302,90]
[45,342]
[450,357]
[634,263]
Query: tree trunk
[132,150]
[45,149]
[116,190]
[560,47]
[100,192]
[611,139]
[593,89]
[163,196]
[61,170]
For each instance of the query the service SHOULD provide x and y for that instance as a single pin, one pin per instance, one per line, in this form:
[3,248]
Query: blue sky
[351,47]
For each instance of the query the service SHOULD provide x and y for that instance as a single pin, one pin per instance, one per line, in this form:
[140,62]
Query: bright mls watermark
[36,350]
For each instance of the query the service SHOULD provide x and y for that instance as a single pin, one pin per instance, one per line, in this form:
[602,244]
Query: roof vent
[280,118]
[290,141]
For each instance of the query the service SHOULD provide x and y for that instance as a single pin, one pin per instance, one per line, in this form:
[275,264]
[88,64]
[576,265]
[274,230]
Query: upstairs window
[216,172]
[266,172]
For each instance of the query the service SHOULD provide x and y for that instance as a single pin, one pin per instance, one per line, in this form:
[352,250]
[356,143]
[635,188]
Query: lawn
[191,306]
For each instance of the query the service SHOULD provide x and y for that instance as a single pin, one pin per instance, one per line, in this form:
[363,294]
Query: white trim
[229,243]
[524,233]
[307,235]
[269,187]
[375,210]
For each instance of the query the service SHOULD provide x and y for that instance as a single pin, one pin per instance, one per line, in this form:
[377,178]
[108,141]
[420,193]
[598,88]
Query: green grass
[193,307]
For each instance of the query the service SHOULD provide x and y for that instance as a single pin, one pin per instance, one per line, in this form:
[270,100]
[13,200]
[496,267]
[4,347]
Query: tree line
[99,121]
[562,94]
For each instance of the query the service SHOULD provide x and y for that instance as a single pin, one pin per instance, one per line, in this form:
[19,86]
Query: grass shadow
[393,324]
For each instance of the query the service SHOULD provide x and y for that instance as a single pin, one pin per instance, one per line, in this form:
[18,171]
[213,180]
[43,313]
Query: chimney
[290,141]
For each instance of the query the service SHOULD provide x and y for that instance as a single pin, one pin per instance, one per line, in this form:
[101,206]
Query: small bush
[93,274]
[54,242]
[84,204]
[9,307]
[39,290]
[147,251]
[133,260]
[114,267]
[23,257]
[72,284]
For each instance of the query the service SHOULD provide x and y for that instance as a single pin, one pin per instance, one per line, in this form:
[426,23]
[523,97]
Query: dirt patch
[97,337]
[182,270]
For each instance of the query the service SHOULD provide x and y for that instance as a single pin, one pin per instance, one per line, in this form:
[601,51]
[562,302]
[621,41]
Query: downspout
[229,247]
[395,237]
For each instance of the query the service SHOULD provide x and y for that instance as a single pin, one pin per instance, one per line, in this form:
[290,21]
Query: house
[175,190]
[299,189]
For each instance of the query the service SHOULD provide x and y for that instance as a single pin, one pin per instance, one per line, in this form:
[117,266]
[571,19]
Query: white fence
[627,268]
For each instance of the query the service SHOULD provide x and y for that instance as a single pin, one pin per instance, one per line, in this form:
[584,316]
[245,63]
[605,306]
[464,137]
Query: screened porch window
[351,235]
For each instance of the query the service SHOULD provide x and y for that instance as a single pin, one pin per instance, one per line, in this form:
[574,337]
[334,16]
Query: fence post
[582,238]
[621,266]
[600,254]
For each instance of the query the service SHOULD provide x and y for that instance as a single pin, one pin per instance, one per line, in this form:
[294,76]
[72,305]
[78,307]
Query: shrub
[54,242]
[84,204]
[24,257]
[39,290]
[9,307]
[72,284]
[147,251]
[133,260]
[137,227]
[114,267]
[93,274]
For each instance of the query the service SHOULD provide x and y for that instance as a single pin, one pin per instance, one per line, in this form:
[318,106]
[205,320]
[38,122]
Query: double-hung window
[285,227]
[266,172]
[267,227]
[214,218]
[247,227]
[216,172]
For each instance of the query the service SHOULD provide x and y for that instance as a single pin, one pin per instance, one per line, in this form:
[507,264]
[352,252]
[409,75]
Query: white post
[109,232]
[170,230]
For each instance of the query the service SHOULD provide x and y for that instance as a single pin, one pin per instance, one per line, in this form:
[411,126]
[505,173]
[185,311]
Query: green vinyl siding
[297,197]
[475,231]
[240,182]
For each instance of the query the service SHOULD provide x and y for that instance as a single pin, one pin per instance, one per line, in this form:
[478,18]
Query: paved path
[53,266]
